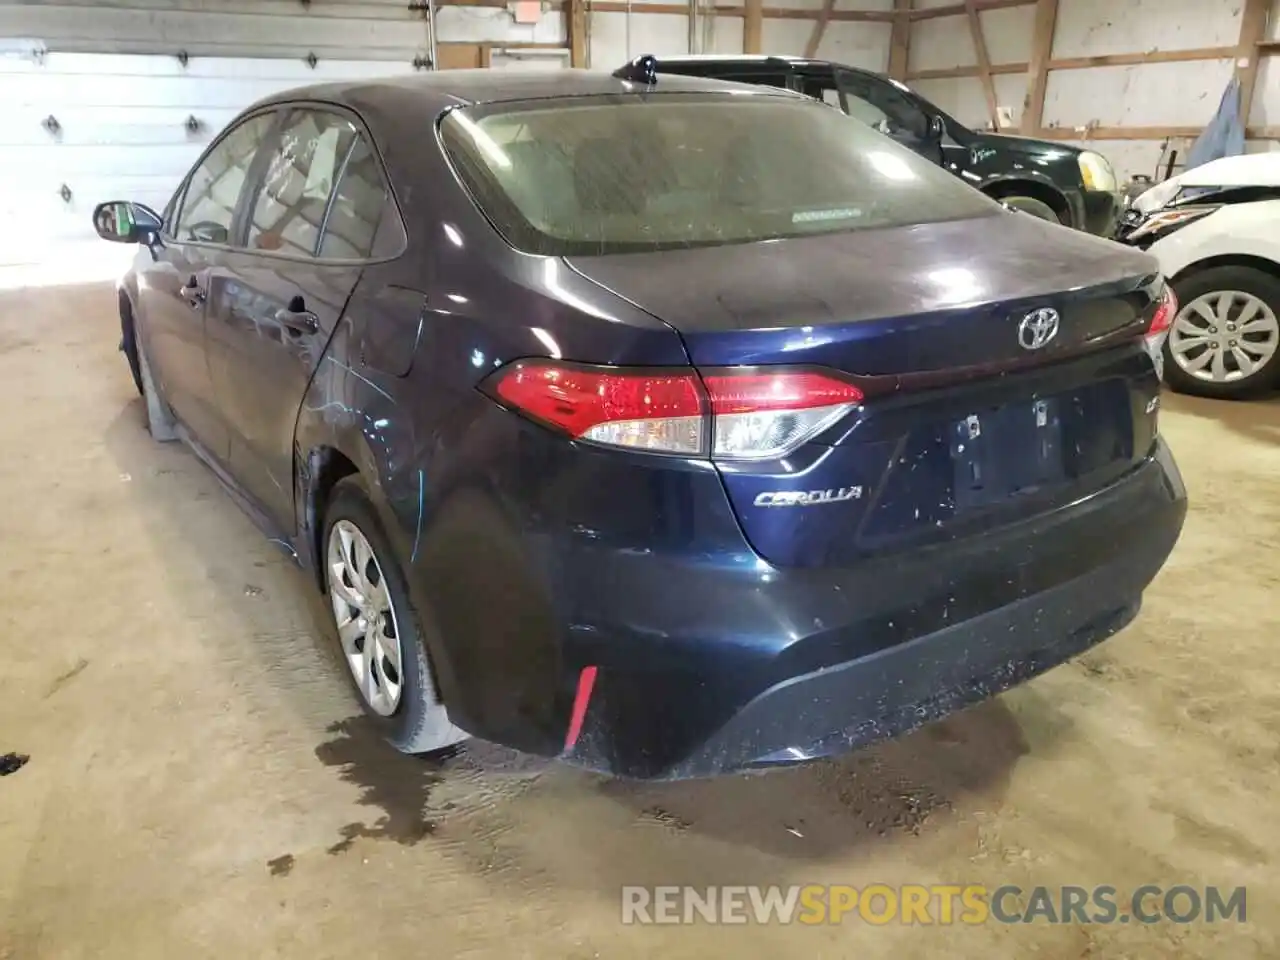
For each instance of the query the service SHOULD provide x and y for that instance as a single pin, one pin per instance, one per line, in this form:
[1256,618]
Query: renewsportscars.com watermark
[971,904]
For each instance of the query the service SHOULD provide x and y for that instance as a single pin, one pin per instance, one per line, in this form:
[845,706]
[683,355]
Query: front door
[171,308]
[173,299]
[310,224]
[878,102]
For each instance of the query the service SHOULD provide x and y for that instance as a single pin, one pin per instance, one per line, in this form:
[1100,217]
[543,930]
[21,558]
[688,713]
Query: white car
[1216,232]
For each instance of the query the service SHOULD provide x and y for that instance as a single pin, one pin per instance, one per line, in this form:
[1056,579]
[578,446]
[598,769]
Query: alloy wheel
[365,617]
[1224,336]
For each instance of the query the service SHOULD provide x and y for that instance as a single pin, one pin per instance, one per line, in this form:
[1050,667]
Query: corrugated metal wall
[365,30]
[369,30]
[95,101]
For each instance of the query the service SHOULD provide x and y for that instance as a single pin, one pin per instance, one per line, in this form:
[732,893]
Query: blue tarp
[1224,136]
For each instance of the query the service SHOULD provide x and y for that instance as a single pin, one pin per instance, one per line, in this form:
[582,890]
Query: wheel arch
[1263,264]
[322,467]
[1040,190]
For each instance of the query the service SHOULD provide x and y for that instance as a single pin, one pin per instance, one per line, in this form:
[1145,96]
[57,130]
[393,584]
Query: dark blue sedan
[669,429]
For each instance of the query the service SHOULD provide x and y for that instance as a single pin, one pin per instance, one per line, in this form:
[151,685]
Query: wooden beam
[1137,59]
[900,40]
[960,9]
[1084,63]
[753,27]
[844,16]
[1145,133]
[1038,68]
[521,45]
[721,9]
[576,25]
[618,6]
[819,28]
[984,62]
[950,73]
[1253,28]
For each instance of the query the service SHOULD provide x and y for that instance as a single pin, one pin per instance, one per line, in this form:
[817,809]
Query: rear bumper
[704,668]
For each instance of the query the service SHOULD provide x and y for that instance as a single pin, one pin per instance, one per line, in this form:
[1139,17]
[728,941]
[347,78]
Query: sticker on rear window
[818,216]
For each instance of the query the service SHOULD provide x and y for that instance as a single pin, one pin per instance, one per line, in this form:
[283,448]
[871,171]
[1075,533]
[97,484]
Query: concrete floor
[199,785]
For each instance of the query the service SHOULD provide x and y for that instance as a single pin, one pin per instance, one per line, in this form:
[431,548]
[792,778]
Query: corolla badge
[1037,328]
[807,498]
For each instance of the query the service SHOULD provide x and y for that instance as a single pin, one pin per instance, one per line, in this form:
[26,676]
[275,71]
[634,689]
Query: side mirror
[121,221]
[937,127]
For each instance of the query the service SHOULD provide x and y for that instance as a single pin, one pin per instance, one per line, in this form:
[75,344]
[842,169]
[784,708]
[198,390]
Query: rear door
[310,224]
[173,300]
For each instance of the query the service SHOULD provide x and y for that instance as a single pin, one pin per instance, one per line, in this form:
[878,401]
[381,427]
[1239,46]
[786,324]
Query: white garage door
[80,128]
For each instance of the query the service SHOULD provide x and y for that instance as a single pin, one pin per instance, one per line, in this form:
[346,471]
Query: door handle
[192,293]
[300,321]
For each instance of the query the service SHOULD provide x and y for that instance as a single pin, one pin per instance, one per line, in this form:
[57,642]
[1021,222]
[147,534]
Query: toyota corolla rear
[902,454]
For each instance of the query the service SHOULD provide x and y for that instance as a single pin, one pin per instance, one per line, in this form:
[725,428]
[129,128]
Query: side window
[762,79]
[288,212]
[823,88]
[357,206]
[884,107]
[170,215]
[214,186]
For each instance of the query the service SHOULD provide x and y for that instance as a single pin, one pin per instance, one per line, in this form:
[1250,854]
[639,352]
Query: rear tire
[1224,305]
[1037,208]
[368,596]
[160,420]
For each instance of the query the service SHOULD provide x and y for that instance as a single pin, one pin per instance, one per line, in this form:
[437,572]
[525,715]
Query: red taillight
[753,413]
[760,415]
[785,390]
[1165,313]
[645,410]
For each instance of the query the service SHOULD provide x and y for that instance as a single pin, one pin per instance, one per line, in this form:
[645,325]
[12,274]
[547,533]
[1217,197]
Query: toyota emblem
[1037,328]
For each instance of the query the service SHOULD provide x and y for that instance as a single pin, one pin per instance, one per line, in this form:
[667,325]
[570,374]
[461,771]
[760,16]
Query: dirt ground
[199,783]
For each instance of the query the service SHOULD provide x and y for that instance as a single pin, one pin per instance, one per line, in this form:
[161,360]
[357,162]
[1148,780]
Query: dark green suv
[1050,180]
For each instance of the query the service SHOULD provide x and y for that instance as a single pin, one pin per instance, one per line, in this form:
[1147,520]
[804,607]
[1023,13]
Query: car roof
[401,111]
[777,61]
[435,90]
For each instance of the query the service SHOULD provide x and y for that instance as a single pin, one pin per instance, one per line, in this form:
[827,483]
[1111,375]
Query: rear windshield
[624,174]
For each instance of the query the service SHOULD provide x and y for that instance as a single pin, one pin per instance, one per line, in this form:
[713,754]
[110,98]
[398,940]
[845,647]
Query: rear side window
[357,208]
[288,213]
[603,176]
[214,186]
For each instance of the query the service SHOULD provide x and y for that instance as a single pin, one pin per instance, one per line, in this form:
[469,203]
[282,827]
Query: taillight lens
[1165,313]
[763,415]
[729,413]
[640,409]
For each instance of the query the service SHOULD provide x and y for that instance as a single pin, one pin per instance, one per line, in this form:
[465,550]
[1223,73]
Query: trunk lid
[907,300]
[965,424]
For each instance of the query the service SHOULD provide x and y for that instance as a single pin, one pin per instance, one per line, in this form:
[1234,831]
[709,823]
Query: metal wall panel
[106,127]
[96,98]
[372,30]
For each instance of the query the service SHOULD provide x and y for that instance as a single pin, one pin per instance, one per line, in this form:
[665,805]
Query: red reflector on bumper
[586,680]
